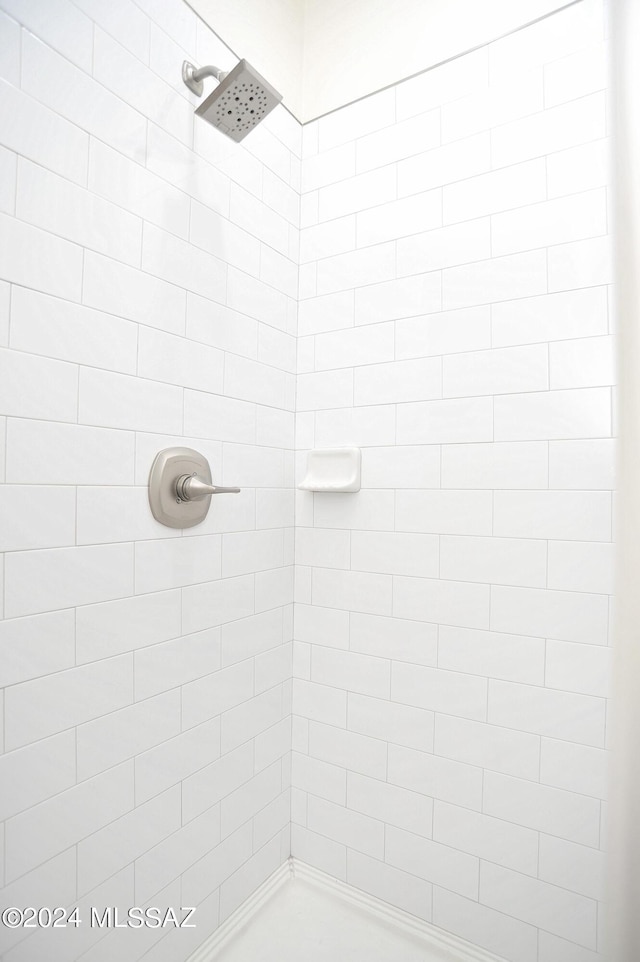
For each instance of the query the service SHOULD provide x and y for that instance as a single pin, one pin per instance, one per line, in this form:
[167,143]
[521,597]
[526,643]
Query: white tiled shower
[423,274]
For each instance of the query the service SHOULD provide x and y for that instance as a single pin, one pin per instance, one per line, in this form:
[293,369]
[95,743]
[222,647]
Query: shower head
[239,102]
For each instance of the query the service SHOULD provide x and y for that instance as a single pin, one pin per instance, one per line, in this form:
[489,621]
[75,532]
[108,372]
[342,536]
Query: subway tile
[494,105]
[494,931]
[489,838]
[172,259]
[34,258]
[352,590]
[517,464]
[398,467]
[397,638]
[415,555]
[388,721]
[114,627]
[451,421]
[63,27]
[397,381]
[47,580]
[582,263]
[373,509]
[213,693]
[507,371]
[176,855]
[585,669]
[36,517]
[556,714]
[571,516]
[490,193]
[499,279]
[131,403]
[123,21]
[80,99]
[399,218]
[329,167]
[555,949]
[356,120]
[577,168]
[363,427]
[447,332]
[44,706]
[175,663]
[400,298]
[327,239]
[444,83]
[247,720]
[576,768]
[52,203]
[554,415]
[329,312]
[324,390]
[37,645]
[122,290]
[10,56]
[356,753]
[43,452]
[252,297]
[42,134]
[582,464]
[410,137]
[8,174]
[55,824]
[351,671]
[444,247]
[248,800]
[70,332]
[358,831]
[321,626]
[38,387]
[441,602]
[357,268]
[487,746]
[180,361]
[175,163]
[494,655]
[357,193]
[549,223]
[539,903]
[437,690]
[325,548]
[319,703]
[328,856]
[115,737]
[221,327]
[389,884]
[566,615]
[444,512]
[214,782]
[573,867]
[444,165]
[217,602]
[548,131]
[37,772]
[577,75]
[551,810]
[584,362]
[581,566]
[119,843]
[174,759]
[432,861]
[550,317]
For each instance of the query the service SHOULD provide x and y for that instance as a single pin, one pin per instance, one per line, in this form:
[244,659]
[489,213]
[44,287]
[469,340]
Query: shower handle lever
[190,488]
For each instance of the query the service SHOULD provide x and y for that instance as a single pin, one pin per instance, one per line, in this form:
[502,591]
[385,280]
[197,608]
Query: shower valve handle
[190,488]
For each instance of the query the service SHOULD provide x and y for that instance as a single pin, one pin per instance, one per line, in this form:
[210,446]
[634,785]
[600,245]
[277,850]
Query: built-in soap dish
[332,470]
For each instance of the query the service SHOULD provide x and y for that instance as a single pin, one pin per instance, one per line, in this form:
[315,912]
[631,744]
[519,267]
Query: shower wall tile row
[148,297]
[451,620]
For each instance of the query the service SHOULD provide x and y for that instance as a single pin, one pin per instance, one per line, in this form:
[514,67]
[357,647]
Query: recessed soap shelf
[333,470]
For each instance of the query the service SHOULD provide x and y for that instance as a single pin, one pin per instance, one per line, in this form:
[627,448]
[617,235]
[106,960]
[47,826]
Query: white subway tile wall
[148,298]
[423,274]
[451,620]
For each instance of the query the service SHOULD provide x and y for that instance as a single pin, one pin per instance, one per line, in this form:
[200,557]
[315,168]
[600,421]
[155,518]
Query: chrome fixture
[239,102]
[180,487]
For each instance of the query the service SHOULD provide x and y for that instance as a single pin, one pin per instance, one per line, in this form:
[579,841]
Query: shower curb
[448,947]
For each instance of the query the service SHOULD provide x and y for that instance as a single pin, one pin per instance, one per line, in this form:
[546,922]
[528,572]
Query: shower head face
[239,102]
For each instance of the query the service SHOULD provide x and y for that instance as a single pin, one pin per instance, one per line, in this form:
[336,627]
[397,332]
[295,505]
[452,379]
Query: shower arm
[193,76]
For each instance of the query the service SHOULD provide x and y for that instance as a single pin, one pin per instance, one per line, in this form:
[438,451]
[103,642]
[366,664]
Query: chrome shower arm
[193,76]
